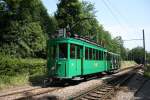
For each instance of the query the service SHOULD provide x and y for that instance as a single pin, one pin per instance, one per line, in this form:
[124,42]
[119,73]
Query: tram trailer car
[69,58]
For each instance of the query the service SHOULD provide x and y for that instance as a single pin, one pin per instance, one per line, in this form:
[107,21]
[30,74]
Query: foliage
[68,12]
[23,28]
[137,54]
[11,66]
[18,71]
[87,25]
[123,50]
[2,6]
[82,21]
[10,81]
[147,71]
[25,40]
[53,25]
[148,57]
[127,64]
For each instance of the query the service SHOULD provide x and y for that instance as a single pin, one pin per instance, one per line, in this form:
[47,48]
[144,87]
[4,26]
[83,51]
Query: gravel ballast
[70,91]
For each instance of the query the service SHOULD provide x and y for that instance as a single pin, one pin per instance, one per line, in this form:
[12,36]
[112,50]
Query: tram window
[78,52]
[63,50]
[90,53]
[94,54]
[72,51]
[97,55]
[86,53]
[102,55]
[108,56]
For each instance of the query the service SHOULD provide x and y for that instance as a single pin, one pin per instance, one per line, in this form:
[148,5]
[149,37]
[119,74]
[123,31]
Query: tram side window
[90,53]
[78,52]
[100,55]
[104,55]
[72,51]
[108,56]
[97,55]
[63,50]
[94,55]
[86,53]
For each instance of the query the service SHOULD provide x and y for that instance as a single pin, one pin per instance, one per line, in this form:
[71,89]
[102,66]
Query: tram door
[79,59]
[76,55]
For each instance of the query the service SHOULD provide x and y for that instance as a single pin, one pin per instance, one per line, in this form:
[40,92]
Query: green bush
[10,66]
[147,71]
[10,81]
[18,71]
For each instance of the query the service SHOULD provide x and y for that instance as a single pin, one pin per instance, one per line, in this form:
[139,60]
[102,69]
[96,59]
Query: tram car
[72,57]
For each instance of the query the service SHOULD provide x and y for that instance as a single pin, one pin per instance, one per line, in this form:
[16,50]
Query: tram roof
[78,41]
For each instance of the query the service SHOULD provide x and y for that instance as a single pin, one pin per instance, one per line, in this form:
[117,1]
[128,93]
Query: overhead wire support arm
[133,40]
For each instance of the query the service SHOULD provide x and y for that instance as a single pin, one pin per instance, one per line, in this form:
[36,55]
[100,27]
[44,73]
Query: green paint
[78,66]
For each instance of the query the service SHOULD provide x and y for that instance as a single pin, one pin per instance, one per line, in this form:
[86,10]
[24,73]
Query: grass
[126,64]
[30,71]
[18,72]
[20,80]
[147,71]
[12,81]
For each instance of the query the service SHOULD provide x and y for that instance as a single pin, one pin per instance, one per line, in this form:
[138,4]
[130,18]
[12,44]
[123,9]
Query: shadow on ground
[139,85]
[39,81]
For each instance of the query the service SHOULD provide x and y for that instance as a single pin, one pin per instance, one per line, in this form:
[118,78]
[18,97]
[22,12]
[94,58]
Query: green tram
[69,58]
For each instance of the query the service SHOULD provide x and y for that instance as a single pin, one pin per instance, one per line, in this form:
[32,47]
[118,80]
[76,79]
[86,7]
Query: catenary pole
[144,47]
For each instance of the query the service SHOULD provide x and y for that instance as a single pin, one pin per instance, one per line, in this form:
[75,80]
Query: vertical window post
[88,54]
[75,52]
[68,51]
[57,51]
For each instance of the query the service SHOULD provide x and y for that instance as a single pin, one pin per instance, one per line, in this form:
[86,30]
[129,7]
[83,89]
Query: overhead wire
[113,14]
[109,6]
[121,16]
[129,27]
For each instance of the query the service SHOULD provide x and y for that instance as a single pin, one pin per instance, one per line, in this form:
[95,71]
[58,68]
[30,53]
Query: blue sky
[124,18]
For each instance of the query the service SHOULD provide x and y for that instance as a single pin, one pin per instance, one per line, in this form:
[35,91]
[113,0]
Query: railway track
[106,90]
[27,94]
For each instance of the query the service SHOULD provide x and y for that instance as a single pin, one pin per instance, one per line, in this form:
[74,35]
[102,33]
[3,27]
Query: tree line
[25,26]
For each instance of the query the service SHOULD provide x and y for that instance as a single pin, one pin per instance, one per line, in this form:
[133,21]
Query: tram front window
[62,50]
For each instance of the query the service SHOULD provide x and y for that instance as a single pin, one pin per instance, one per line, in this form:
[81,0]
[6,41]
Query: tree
[137,54]
[23,28]
[53,25]
[148,58]
[68,12]
[86,24]
[3,6]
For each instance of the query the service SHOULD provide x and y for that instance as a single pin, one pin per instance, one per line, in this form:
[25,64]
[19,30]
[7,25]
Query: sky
[125,18]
